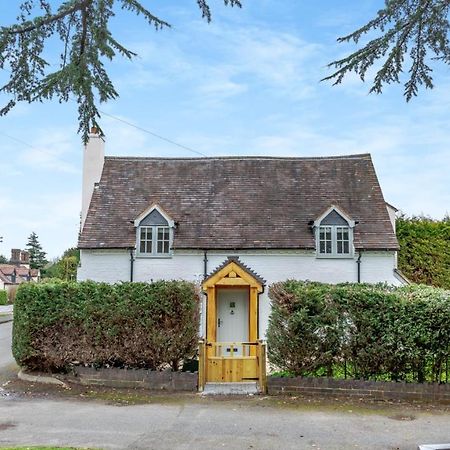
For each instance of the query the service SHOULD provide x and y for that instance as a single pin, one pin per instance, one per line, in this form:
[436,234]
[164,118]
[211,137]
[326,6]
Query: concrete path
[8,367]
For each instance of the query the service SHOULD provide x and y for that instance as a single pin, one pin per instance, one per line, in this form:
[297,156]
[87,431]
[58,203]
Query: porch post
[211,315]
[253,318]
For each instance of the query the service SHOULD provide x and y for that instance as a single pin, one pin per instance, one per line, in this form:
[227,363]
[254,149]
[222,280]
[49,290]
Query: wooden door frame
[232,274]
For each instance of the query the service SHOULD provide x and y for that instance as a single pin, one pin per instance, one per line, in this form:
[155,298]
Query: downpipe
[358,263]
[132,264]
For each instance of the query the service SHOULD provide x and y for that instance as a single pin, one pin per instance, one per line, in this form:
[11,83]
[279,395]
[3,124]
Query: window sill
[349,256]
[143,256]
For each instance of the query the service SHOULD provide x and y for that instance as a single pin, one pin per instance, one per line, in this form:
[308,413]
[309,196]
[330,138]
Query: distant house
[17,271]
[235,225]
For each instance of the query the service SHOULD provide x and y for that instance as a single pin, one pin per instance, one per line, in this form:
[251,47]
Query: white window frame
[334,229]
[334,253]
[171,225]
[154,242]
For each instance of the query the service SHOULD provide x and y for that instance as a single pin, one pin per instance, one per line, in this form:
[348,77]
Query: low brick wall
[135,378]
[378,390]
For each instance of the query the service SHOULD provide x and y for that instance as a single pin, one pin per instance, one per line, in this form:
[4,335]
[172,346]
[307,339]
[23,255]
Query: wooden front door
[232,318]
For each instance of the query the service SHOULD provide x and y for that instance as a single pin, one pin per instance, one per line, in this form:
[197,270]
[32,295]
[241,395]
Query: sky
[246,84]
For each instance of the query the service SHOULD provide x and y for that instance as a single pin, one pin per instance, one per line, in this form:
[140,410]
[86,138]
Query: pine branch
[39,22]
[84,17]
[82,27]
[422,24]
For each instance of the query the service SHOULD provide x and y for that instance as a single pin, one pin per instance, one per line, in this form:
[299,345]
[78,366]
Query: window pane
[343,240]
[145,240]
[325,240]
[162,242]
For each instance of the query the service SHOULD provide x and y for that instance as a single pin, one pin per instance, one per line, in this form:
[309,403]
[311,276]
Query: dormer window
[154,233]
[334,234]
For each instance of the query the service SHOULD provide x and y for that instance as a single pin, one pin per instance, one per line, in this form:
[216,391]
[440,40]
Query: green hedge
[360,331]
[424,255]
[3,297]
[127,325]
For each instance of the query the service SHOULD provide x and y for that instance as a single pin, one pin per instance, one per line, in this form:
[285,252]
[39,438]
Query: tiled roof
[8,269]
[238,202]
[5,279]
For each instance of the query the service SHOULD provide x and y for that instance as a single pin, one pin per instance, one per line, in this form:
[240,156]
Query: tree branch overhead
[82,27]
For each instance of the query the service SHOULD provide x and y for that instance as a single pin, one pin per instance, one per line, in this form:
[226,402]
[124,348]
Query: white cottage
[236,225]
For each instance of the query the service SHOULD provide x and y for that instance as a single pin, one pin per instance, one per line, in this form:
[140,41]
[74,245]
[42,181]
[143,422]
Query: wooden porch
[232,296]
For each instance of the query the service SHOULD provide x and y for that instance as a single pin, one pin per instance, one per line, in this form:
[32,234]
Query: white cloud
[54,217]
[268,60]
[50,151]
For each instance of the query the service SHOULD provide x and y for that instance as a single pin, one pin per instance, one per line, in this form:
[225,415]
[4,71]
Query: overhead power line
[40,150]
[170,141]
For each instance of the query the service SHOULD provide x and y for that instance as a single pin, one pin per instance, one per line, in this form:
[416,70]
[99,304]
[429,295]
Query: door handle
[218,322]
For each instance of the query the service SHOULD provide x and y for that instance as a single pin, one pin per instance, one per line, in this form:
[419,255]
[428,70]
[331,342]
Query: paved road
[8,366]
[6,309]
[190,422]
[6,313]
[210,424]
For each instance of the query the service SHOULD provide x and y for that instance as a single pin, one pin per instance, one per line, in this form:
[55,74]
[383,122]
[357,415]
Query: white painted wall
[392,214]
[109,266]
[93,159]
[114,265]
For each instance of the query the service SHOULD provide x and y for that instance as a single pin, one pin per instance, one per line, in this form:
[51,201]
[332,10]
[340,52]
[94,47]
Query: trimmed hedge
[424,255]
[360,331]
[3,297]
[135,325]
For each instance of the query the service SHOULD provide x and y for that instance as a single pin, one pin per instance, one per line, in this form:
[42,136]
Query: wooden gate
[232,362]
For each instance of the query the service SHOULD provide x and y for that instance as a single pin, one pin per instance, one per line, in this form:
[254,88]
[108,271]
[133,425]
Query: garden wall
[164,380]
[373,390]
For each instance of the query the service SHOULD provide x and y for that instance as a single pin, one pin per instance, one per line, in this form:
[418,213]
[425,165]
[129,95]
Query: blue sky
[246,84]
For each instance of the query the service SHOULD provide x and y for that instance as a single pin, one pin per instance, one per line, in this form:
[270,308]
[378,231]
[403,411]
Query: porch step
[244,388]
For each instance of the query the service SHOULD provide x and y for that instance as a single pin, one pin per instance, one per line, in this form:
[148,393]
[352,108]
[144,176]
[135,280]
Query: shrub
[12,294]
[358,330]
[424,255]
[3,298]
[130,324]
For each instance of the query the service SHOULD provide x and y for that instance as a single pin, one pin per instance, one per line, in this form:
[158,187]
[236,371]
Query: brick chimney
[93,158]
[25,259]
[15,256]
